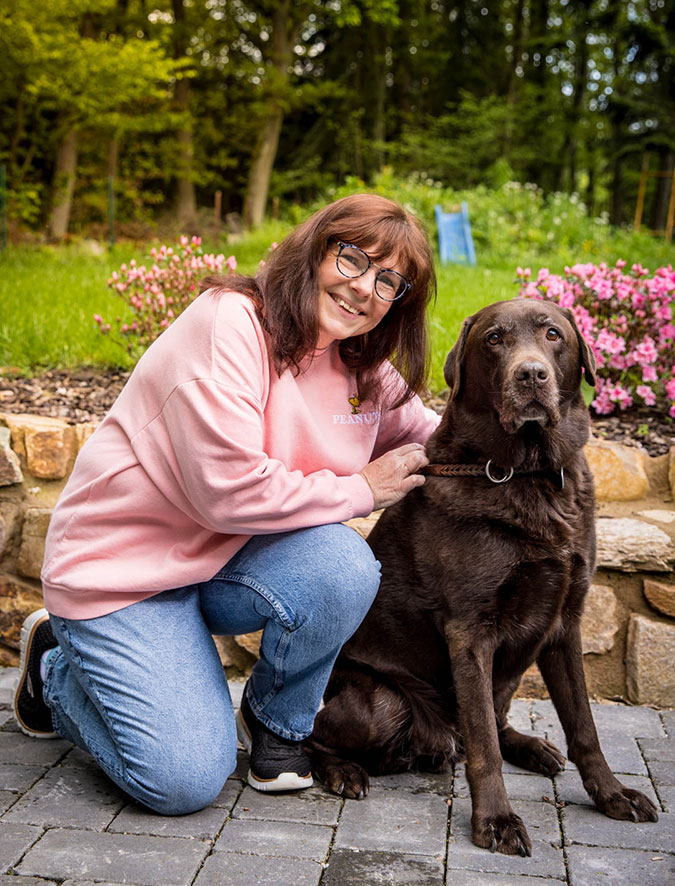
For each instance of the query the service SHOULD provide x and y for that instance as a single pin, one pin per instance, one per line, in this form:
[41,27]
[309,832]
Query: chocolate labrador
[484,571]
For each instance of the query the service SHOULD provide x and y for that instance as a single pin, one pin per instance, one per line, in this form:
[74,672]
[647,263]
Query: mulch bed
[87,394]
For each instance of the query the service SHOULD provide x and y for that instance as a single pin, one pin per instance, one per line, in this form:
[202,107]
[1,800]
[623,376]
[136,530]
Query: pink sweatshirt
[205,447]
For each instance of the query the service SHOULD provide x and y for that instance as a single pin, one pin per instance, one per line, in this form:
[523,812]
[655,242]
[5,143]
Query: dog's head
[523,358]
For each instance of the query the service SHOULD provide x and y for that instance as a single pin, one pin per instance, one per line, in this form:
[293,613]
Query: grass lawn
[48,296]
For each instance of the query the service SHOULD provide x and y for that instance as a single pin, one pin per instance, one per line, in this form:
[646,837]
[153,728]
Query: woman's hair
[285,291]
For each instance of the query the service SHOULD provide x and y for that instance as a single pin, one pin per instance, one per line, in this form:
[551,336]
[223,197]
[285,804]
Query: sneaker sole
[286,781]
[30,625]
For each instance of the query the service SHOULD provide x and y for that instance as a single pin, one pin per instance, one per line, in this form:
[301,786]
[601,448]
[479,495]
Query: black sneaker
[276,764]
[32,714]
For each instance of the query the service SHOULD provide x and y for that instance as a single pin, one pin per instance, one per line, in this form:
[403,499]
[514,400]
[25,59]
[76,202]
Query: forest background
[274,104]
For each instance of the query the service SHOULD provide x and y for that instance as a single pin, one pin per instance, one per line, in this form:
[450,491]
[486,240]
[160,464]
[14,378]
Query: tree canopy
[276,100]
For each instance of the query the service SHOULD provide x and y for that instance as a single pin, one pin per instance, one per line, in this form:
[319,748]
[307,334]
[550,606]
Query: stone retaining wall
[629,622]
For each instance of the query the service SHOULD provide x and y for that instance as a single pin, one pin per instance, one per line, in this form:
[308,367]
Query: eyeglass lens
[354,262]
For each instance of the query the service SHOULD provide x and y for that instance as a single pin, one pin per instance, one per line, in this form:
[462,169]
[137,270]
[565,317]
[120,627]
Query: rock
[660,596]
[618,471]
[46,444]
[83,432]
[599,624]
[632,546]
[659,516]
[233,655]
[10,467]
[532,684]
[9,523]
[250,642]
[17,600]
[363,525]
[671,471]
[32,551]
[650,646]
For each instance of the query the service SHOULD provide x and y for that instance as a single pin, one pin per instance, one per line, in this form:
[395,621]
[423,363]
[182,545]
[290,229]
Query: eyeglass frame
[342,245]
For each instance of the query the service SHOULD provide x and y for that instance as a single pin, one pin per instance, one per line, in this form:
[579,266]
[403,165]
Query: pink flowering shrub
[627,319]
[160,290]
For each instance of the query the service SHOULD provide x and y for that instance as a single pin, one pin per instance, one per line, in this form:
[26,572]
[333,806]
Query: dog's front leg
[494,824]
[561,665]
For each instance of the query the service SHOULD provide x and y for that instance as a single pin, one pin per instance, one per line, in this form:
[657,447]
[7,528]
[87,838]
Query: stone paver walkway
[62,822]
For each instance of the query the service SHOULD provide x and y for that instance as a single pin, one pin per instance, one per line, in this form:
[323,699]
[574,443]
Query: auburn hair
[285,291]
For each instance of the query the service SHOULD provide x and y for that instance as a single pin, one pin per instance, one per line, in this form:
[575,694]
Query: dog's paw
[626,805]
[347,779]
[502,833]
[535,755]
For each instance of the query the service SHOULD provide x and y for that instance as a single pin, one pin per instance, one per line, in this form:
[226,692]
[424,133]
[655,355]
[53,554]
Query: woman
[210,501]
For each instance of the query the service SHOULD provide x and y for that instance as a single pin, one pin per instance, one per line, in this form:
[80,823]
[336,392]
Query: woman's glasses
[352,261]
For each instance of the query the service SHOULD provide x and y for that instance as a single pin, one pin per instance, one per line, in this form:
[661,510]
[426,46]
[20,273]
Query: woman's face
[348,306]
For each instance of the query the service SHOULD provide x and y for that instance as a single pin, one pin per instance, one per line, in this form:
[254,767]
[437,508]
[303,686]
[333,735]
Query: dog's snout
[532,372]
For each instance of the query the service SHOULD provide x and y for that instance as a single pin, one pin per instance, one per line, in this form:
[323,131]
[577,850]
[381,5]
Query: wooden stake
[641,193]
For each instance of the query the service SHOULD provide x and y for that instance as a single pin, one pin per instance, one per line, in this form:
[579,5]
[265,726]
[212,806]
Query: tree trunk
[63,186]
[265,152]
[17,134]
[261,169]
[380,94]
[185,199]
[659,214]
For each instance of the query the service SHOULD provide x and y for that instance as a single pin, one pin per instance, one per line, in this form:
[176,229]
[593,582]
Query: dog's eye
[552,334]
[493,338]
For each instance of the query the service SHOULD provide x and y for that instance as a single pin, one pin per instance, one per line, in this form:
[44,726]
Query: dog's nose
[532,373]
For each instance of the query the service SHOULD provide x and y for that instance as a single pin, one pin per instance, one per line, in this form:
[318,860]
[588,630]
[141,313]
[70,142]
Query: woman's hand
[392,476]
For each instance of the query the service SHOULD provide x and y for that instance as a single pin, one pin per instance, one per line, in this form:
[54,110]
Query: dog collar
[487,470]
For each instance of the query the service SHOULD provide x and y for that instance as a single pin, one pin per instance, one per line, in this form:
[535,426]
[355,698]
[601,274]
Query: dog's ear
[453,363]
[586,354]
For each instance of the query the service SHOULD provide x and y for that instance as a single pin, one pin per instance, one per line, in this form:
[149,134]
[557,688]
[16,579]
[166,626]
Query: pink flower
[647,394]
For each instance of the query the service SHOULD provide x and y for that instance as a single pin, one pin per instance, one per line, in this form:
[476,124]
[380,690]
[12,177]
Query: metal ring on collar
[503,479]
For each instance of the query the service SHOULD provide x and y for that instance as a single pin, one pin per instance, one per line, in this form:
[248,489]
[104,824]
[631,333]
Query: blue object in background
[454,236]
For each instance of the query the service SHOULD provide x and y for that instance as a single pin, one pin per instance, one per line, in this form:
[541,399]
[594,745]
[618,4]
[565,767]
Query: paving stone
[229,794]
[136,819]
[14,840]
[411,823]
[15,777]
[662,773]
[658,750]
[146,861]
[618,719]
[668,720]
[614,867]
[241,769]
[476,878]
[15,747]
[229,869]
[347,868]
[619,745]
[11,880]
[276,838]
[541,820]
[611,720]
[80,883]
[463,855]
[667,795]
[519,715]
[416,782]
[313,806]
[519,786]
[8,678]
[6,800]
[69,796]
[590,827]
[570,788]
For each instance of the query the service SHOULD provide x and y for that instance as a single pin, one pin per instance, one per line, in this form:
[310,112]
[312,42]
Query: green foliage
[518,224]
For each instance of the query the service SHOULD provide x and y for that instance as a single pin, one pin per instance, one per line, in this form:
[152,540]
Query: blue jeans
[143,690]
